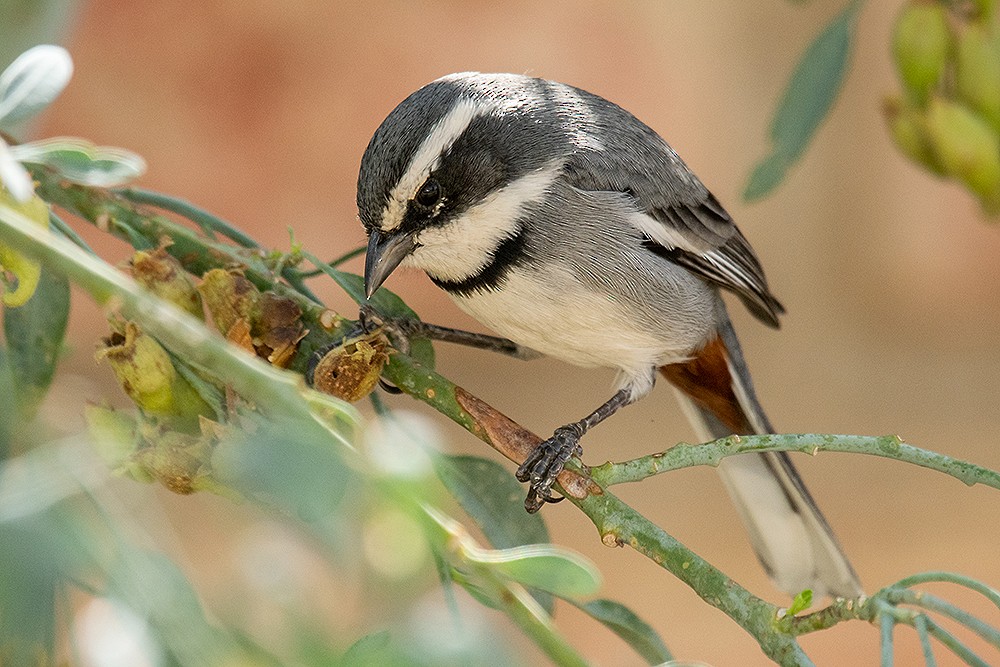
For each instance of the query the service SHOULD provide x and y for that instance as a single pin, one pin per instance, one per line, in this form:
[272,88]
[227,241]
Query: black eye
[429,193]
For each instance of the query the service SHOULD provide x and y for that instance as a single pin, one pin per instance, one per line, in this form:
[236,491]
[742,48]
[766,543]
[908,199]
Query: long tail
[792,539]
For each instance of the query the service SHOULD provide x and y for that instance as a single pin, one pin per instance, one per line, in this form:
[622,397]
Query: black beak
[385,252]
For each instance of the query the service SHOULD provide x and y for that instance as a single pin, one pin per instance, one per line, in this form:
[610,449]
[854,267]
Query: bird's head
[448,174]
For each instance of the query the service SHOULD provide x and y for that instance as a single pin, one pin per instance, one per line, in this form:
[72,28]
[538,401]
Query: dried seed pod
[143,368]
[176,460]
[164,276]
[350,369]
[147,374]
[278,329]
[229,297]
[116,439]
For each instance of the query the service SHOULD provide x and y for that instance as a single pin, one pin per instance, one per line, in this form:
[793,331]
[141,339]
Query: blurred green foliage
[25,23]
[947,117]
[81,570]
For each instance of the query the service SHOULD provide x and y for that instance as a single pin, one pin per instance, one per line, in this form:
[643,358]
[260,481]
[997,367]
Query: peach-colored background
[260,111]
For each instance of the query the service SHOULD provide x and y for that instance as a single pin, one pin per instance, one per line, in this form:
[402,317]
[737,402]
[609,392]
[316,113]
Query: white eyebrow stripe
[426,159]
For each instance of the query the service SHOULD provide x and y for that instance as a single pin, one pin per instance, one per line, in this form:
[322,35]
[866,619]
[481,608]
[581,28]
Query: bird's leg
[547,460]
[405,328]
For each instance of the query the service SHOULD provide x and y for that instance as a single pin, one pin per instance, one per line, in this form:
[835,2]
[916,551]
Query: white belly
[559,318]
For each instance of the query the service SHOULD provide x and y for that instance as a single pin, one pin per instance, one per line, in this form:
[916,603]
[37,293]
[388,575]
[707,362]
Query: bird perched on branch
[566,225]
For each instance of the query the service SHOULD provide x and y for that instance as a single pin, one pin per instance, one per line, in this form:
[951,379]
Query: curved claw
[544,464]
[389,388]
[533,502]
[369,319]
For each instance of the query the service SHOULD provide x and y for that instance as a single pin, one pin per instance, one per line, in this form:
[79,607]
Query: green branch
[685,455]
[207,221]
[261,383]
[617,523]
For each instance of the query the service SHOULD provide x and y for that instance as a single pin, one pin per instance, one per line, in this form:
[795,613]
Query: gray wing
[683,222]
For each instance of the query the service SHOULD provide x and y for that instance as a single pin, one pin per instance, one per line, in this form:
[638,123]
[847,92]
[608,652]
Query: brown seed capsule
[175,460]
[278,329]
[351,370]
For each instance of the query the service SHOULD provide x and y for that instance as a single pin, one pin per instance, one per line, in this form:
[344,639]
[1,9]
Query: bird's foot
[544,464]
[398,330]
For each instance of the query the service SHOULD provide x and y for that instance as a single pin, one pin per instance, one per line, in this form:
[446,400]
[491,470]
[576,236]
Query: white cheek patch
[463,247]
[428,156]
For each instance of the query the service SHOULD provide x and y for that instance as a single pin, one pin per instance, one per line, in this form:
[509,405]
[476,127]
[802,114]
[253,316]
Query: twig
[956,645]
[945,608]
[617,523]
[951,578]
[685,455]
[60,225]
[207,221]
[334,263]
[920,624]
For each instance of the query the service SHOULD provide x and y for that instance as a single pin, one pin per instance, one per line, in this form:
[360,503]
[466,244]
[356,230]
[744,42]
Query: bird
[571,229]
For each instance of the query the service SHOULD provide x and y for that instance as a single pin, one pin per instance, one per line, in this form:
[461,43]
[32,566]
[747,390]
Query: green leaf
[544,566]
[80,161]
[282,462]
[766,176]
[369,651]
[208,392]
[623,622]
[801,602]
[28,584]
[488,492]
[35,333]
[385,302]
[807,100]
[33,81]
[478,593]
[491,496]
[44,541]
[151,585]
[8,411]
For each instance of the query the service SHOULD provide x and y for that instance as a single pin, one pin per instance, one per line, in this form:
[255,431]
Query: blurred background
[260,111]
